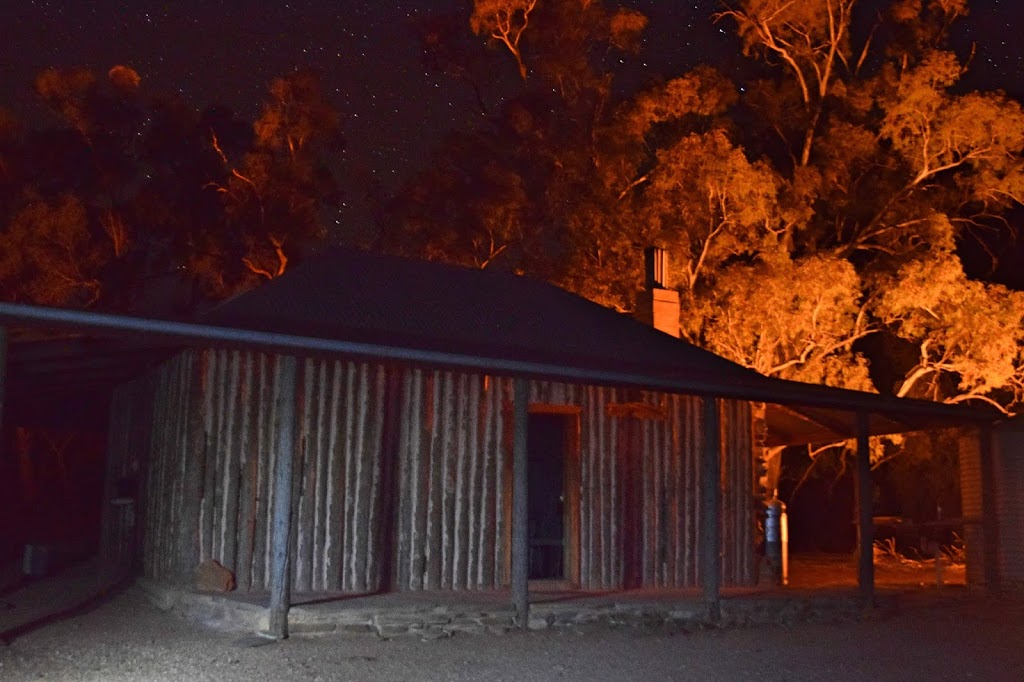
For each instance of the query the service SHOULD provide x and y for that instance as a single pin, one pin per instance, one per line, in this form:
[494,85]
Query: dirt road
[128,639]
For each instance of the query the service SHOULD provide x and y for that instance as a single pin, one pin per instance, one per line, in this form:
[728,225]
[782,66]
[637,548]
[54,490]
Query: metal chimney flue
[656,267]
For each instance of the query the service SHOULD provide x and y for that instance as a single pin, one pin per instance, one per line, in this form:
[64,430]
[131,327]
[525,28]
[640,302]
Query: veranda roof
[354,304]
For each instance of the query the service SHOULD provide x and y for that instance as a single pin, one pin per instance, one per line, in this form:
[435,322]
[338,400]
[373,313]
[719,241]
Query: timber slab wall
[402,476]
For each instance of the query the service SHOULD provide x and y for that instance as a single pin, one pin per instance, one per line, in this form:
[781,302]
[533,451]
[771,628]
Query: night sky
[395,111]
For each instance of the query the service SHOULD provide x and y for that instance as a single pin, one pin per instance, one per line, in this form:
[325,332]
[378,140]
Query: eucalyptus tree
[813,207]
[131,199]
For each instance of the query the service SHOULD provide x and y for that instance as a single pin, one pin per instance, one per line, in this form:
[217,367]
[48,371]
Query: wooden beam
[865,514]
[710,507]
[280,592]
[653,379]
[520,536]
[3,384]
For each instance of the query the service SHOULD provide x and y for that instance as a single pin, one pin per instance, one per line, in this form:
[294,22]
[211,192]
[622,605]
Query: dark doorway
[631,533]
[547,441]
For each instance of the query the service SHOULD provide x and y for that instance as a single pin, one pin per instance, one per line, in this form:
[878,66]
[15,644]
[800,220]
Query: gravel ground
[126,638]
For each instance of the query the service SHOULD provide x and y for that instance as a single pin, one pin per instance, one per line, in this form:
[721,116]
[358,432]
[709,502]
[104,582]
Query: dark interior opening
[546,443]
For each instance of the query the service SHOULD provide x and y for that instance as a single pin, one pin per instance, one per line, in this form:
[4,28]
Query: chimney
[657,305]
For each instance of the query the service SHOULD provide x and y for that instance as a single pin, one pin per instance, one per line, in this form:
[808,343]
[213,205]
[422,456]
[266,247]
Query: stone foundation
[469,613]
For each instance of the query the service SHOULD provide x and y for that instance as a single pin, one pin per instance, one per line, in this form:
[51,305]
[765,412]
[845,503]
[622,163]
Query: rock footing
[436,621]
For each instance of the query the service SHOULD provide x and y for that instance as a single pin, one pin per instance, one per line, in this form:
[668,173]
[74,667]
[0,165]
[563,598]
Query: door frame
[570,492]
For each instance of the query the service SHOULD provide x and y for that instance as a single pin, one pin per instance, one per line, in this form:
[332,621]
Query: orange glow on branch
[273,271]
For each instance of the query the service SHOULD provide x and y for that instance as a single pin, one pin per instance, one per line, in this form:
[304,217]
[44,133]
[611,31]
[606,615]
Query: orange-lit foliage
[65,92]
[272,191]
[504,21]
[511,192]
[124,78]
[137,201]
[812,41]
[818,206]
[48,256]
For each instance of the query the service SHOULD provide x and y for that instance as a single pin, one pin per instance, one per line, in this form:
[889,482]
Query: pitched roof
[397,302]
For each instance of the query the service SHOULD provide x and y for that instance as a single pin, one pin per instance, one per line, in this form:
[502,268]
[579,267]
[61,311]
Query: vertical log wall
[451,490]
[416,485]
[738,486]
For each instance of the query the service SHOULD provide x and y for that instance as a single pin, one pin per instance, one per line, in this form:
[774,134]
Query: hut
[368,423]
[402,472]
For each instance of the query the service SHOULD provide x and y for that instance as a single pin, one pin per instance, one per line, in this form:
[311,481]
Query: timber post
[390,455]
[520,535]
[3,383]
[710,496]
[865,514]
[280,592]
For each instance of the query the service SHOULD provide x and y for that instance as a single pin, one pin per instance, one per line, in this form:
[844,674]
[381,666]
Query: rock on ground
[212,577]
